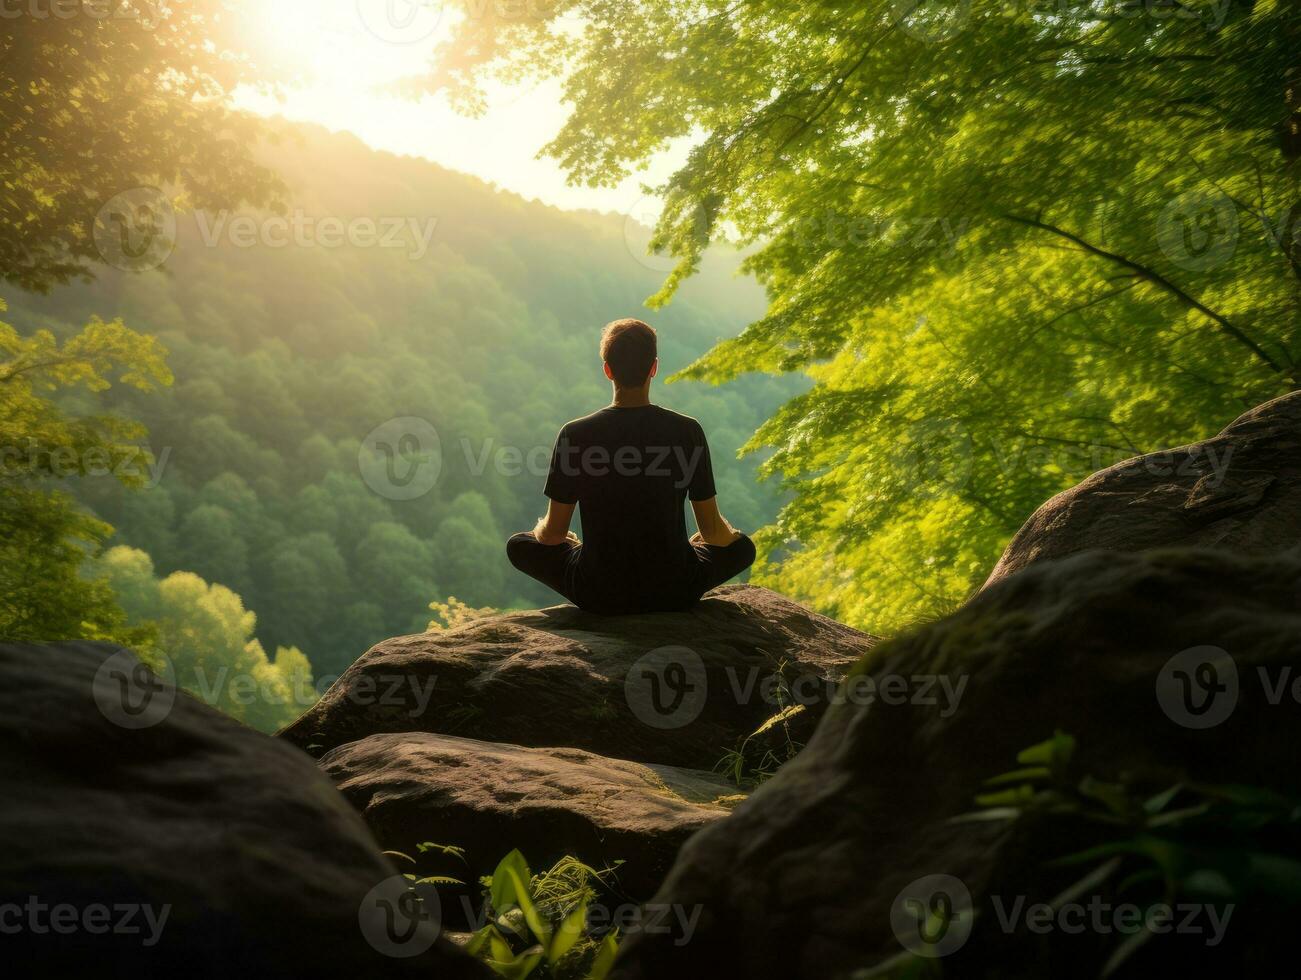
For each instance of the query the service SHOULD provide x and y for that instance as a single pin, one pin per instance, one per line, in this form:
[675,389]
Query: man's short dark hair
[630,347]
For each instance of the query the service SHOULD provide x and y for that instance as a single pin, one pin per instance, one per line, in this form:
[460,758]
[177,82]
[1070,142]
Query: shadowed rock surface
[802,879]
[261,866]
[669,688]
[1240,491]
[488,798]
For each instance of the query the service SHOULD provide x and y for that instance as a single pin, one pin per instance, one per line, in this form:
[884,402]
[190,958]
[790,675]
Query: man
[629,468]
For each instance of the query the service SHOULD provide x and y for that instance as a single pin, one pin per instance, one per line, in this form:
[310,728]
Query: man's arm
[554,527]
[714,529]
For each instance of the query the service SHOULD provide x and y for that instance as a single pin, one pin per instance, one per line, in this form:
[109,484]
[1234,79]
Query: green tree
[1008,242]
[95,106]
[206,637]
[46,537]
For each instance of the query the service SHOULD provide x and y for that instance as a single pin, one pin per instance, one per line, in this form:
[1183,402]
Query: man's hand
[554,527]
[714,528]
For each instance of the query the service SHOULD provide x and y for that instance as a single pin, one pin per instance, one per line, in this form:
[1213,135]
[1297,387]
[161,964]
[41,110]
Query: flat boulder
[678,689]
[1240,490]
[821,872]
[149,835]
[488,798]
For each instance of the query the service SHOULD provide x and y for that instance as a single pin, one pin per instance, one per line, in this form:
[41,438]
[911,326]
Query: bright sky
[349,49]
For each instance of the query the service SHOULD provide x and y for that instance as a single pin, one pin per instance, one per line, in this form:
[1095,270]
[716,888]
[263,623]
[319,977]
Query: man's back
[630,470]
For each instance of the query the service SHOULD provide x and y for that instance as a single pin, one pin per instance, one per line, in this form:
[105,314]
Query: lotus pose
[630,467]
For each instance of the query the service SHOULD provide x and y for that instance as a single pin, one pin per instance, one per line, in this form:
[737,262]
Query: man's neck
[631,397]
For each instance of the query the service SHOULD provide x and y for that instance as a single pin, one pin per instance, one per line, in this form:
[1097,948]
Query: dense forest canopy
[482,322]
[1011,242]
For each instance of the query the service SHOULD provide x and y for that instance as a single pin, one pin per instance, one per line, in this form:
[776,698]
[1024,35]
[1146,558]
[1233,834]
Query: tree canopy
[114,106]
[1010,242]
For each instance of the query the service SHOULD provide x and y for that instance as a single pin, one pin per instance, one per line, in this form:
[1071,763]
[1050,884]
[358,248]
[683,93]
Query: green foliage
[45,537]
[92,106]
[759,755]
[206,636]
[1009,243]
[539,923]
[1228,844]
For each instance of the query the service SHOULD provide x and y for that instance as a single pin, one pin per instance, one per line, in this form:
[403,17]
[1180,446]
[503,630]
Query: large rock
[802,879]
[148,835]
[1240,490]
[488,798]
[667,688]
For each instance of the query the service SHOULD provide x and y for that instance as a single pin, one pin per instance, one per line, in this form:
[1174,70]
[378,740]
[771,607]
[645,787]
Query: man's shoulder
[603,420]
[684,420]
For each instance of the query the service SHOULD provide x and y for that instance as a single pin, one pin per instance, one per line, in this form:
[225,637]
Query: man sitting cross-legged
[629,468]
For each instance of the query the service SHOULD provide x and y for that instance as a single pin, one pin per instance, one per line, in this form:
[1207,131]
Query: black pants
[554,566]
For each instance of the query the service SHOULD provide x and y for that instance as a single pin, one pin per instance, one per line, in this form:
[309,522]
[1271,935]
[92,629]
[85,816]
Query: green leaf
[1157,803]
[604,957]
[502,893]
[1055,752]
[1020,776]
[570,931]
[535,921]
[519,967]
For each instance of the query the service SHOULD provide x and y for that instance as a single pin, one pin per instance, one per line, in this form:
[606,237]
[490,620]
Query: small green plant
[740,764]
[538,924]
[431,879]
[1209,843]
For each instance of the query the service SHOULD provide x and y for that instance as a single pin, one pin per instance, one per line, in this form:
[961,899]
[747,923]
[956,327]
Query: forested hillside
[288,353]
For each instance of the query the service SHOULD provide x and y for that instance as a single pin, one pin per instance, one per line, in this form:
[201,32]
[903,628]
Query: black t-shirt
[631,470]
